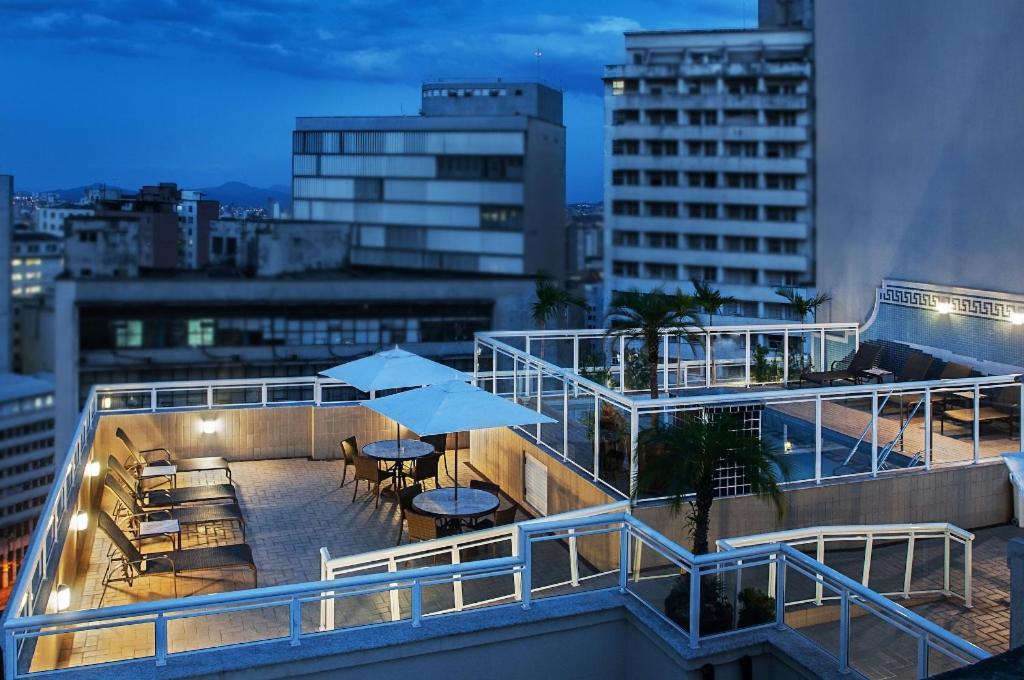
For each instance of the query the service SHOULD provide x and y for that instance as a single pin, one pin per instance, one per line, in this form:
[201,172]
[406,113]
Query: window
[368,188]
[782,278]
[662,239]
[625,238]
[740,117]
[702,210]
[702,242]
[700,86]
[777,213]
[127,333]
[746,277]
[741,180]
[218,245]
[780,118]
[200,332]
[625,177]
[698,273]
[780,149]
[660,85]
[707,180]
[741,212]
[777,181]
[620,87]
[702,148]
[662,178]
[741,244]
[508,168]
[661,209]
[662,117]
[657,270]
[501,217]
[625,147]
[625,116]
[741,149]
[622,268]
[702,117]
[663,147]
[625,207]
[780,86]
[741,85]
[778,246]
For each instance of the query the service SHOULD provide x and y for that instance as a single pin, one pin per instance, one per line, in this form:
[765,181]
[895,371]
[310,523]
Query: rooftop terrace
[281,437]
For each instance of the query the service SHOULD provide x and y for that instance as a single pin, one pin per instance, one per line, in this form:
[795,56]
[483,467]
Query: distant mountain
[240,193]
[75,194]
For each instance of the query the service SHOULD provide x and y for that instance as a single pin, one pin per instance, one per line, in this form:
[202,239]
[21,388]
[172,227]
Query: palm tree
[710,299]
[804,307]
[552,300]
[681,460]
[646,315]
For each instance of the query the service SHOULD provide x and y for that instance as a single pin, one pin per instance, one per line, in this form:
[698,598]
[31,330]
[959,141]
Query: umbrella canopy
[453,407]
[392,369]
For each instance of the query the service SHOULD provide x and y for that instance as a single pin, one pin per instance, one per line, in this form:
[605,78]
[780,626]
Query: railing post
[922,655]
[638,547]
[417,603]
[844,630]
[11,655]
[159,641]
[494,369]
[263,394]
[517,575]
[622,364]
[817,439]
[515,379]
[694,606]
[874,433]
[396,609]
[708,367]
[785,356]
[295,621]
[664,370]
[457,579]
[634,452]
[909,569]
[209,396]
[476,362]
[820,556]
[977,425]
[968,572]
[868,548]
[152,399]
[527,576]
[945,563]
[780,589]
[821,351]
[623,558]
[576,354]
[574,559]
[597,436]
[927,428]
[565,419]
[540,394]
[746,378]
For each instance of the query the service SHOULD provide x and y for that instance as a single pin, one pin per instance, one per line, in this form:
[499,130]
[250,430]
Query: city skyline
[209,93]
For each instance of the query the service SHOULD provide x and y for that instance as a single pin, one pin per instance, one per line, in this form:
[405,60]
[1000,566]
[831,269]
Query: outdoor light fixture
[788,446]
[105,403]
[209,426]
[943,308]
[80,522]
[1017,318]
[63,597]
[92,468]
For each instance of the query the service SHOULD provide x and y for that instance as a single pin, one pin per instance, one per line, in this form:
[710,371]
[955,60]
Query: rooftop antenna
[537,53]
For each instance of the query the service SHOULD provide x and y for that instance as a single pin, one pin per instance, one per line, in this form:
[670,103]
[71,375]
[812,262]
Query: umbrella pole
[456,466]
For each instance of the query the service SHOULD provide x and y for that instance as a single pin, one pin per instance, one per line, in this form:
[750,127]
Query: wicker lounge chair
[135,563]
[863,359]
[161,456]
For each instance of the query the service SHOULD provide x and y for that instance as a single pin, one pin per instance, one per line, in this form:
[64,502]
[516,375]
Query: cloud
[612,25]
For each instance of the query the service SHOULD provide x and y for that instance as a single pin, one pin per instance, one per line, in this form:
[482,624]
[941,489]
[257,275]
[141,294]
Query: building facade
[36,262]
[50,219]
[194,216]
[708,136]
[6,234]
[26,465]
[476,183]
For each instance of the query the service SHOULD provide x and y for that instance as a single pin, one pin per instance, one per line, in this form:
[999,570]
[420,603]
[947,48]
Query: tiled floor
[293,508]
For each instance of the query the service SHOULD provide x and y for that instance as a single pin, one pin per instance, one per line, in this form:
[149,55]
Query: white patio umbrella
[453,406]
[393,369]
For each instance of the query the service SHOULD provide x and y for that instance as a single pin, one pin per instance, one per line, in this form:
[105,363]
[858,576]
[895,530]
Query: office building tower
[6,236]
[476,183]
[709,146]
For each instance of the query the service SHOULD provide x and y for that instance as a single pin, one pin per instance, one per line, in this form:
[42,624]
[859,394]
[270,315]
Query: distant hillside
[240,193]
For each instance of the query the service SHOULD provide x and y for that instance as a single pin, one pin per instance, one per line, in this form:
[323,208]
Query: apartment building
[476,183]
[50,219]
[36,261]
[708,136]
[194,216]
[26,465]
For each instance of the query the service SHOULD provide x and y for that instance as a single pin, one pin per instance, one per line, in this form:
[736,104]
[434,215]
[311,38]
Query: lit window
[200,332]
[618,87]
[128,333]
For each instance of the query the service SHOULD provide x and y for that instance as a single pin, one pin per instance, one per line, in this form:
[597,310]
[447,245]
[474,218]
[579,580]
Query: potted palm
[711,301]
[680,462]
[634,314]
[803,307]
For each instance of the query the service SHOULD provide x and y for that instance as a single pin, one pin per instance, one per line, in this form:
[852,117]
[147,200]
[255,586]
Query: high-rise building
[6,234]
[36,262]
[708,136]
[194,216]
[26,465]
[476,183]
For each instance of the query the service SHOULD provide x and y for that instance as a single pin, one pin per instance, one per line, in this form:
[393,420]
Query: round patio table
[441,503]
[397,452]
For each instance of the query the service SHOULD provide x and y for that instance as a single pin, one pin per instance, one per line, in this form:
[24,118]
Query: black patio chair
[161,498]
[863,359]
[142,458]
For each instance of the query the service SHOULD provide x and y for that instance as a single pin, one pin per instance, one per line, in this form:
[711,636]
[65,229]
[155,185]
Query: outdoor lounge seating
[405,497]
[425,528]
[349,451]
[156,498]
[863,359]
[440,444]
[145,457]
[951,371]
[190,515]
[1001,406]
[426,468]
[368,470]
[135,563]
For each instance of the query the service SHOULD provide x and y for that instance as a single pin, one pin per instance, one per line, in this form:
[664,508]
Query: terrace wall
[968,496]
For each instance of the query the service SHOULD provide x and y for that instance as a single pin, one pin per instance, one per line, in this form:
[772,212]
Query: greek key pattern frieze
[977,305]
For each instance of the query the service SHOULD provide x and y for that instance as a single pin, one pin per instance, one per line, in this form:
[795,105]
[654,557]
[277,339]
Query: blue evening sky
[205,91]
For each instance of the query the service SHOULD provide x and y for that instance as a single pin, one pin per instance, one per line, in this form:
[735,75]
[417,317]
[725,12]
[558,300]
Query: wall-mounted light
[80,522]
[62,599]
[105,403]
[944,308]
[92,468]
[1017,318]
[788,446]
[208,426]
